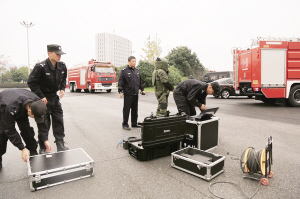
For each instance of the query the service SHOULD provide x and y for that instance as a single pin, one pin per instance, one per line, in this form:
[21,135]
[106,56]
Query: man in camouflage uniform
[160,80]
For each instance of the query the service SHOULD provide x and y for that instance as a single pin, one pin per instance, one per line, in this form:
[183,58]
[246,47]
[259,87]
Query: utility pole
[27,25]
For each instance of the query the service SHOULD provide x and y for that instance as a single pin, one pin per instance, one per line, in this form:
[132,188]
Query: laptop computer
[206,114]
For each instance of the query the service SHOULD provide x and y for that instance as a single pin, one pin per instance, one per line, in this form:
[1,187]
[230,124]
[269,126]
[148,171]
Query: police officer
[160,81]
[15,107]
[128,86]
[191,93]
[46,78]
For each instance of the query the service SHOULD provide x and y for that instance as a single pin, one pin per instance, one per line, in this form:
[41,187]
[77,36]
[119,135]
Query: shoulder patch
[124,69]
[42,64]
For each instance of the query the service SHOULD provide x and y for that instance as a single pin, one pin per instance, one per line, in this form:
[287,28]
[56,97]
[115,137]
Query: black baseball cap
[55,48]
[39,110]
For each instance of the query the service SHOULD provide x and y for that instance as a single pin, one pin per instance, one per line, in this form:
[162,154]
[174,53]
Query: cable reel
[258,162]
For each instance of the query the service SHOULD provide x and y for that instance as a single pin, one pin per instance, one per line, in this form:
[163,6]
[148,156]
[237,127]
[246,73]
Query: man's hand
[25,155]
[45,100]
[61,94]
[121,95]
[202,108]
[48,146]
[143,93]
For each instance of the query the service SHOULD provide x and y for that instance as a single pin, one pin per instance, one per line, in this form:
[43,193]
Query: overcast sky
[209,28]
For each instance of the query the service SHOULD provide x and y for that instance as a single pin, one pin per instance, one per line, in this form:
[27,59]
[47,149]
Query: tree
[187,62]
[152,50]
[174,75]
[17,76]
[3,62]
[118,71]
[24,71]
[146,69]
[6,77]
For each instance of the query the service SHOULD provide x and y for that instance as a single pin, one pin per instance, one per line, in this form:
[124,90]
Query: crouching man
[15,107]
[191,93]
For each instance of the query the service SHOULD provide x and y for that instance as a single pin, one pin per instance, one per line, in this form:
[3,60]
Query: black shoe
[42,151]
[33,152]
[126,128]
[60,144]
[136,126]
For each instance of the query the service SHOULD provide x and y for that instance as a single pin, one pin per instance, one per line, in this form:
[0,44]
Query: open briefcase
[51,169]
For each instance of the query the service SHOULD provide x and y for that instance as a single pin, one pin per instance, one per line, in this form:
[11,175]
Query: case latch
[37,178]
[199,166]
[88,167]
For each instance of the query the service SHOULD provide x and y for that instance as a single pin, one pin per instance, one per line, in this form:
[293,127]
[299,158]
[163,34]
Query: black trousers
[130,102]
[27,134]
[54,112]
[183,104]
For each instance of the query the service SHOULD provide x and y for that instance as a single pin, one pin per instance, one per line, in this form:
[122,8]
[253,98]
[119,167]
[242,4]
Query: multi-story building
[113,48]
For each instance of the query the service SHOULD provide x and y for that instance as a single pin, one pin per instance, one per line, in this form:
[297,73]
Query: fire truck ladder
[255,42]
[234,51]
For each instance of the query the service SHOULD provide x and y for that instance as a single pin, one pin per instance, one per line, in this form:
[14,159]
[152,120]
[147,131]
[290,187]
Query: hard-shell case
[136,150]
[202,135]
[200,163]
[57,168]
[157,131]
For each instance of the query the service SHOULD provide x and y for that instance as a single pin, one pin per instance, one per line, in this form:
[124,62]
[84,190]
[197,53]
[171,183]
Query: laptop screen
[210,110]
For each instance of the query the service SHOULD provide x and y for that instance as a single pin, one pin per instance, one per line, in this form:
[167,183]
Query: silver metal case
[52,169]
[197,162]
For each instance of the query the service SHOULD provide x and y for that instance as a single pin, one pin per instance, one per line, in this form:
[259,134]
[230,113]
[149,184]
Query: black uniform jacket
[194,90]
[45,79]
[130,81]
[13,102]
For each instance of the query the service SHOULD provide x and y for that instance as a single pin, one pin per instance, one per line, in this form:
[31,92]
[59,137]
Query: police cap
[55,48]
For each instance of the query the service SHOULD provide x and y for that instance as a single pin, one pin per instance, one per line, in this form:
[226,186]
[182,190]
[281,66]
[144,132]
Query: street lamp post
[27,25]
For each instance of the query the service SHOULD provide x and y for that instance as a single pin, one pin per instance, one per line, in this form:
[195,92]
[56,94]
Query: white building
[112,48]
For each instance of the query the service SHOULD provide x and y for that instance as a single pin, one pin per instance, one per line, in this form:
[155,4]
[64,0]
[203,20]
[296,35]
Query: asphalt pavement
[93,122]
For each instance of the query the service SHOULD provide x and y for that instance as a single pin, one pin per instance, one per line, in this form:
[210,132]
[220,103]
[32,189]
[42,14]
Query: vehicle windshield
[104,70]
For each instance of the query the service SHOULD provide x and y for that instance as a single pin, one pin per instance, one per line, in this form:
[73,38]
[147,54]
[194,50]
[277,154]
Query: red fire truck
[96,76]
[269,69]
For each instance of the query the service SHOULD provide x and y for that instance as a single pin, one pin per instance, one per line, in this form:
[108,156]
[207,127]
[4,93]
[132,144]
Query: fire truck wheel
[71,87]
[294,97]
[90,88]
[109,90]
[225,94]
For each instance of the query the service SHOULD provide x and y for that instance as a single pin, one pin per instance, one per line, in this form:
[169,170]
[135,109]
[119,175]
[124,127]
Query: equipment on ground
[52,169]
[96,76]
[200,163]
[258,163]
[269,70]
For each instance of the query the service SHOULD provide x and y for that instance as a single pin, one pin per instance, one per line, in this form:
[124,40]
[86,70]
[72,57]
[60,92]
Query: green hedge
[14,85]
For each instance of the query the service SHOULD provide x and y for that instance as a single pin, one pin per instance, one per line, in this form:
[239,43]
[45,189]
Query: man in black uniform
[46,78]
[15,106]
[129,85]
[191,93]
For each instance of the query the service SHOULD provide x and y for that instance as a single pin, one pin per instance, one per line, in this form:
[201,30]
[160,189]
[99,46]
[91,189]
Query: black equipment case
[200,163]
[160,136]
[51,169]
[202,135]
[162,129]
[136,150]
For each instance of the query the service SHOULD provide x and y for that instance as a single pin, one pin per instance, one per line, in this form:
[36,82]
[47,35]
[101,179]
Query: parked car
[212,76]
[226,89]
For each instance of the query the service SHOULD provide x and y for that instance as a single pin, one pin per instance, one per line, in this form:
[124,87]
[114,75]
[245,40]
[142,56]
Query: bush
[13,85]
[174,75]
